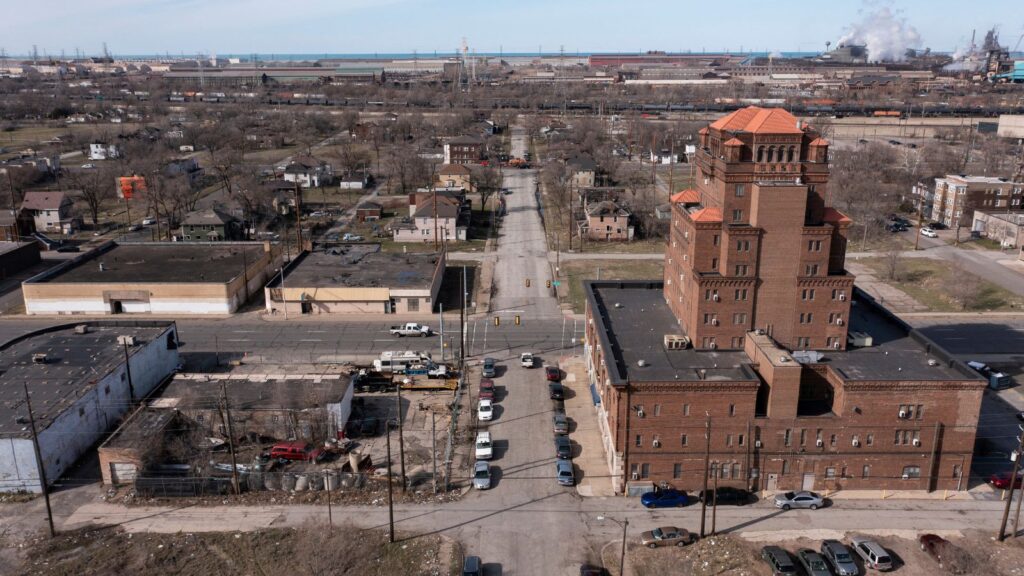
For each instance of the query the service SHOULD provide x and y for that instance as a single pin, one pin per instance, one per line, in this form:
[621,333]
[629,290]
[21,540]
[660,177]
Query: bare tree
[893,259]
[966,287]
[487,181]
[408,169]
[96,186]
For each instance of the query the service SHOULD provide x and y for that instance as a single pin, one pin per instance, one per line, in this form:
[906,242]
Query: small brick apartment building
[757,334]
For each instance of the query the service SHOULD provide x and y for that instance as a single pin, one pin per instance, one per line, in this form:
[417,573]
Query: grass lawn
[574,272]
[928,281]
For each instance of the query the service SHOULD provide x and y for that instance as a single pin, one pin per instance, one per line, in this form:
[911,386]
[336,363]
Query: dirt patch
[310,550]
[712,556]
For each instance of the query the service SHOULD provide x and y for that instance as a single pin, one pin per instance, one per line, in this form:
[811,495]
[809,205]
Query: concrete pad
[579,407]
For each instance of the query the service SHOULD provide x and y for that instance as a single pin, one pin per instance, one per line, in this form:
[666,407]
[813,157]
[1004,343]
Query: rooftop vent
[618,305]
[933,362]
[676,342]
[641,362]
[82,329]
[783,358]
[126,340]
[101,267]
[39,358]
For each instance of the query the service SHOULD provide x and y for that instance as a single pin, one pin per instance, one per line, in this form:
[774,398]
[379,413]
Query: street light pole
[622,553]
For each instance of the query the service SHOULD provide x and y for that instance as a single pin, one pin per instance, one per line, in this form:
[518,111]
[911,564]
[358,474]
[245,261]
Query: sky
[402,26]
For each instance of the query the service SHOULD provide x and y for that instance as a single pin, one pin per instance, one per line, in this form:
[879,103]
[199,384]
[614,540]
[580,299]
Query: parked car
[485,411]
[929,233]
[526,360]
[727,496]
[88,166]
[779,560]
[872,553]
[148,221]
[937,226]
[1002,480]
[564,473]
[471,566]
[839,557]
[410,329]
[563,447]
[351,238]
[487,389]
[560,423]
[552,373]
[488,370]
[296,450]
[935,546]
[802,499]
[484,449]
[664,498]
[556,391]
[667,536]
[812,562]
[135,227]
[481,475]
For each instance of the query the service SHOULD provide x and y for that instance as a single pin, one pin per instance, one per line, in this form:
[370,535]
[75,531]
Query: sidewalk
[579,407]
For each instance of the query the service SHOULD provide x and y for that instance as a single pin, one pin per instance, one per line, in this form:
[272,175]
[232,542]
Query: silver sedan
[802,499]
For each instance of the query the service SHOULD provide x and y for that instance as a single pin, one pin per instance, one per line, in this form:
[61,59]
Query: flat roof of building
[361,266]
[970,179]
[140,428]
[203,392]
[6,247]
[74,363]
[164,262]
[635,320]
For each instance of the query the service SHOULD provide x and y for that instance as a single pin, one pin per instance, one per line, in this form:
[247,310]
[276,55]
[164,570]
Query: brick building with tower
[757,333]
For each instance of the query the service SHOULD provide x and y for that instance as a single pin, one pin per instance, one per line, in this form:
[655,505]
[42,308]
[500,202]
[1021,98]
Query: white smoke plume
[886,35]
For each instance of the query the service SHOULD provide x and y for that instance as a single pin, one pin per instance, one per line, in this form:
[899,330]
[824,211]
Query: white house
[309,172]
[101,151]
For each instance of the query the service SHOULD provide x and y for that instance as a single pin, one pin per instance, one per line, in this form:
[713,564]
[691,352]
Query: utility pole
[433,444]
[920,218]
[39,462]
[298,217]
[128,372]
[391,504]
[707,462]
[401,436]
[231,437]
[714,505]
[330,515]
[1013,482]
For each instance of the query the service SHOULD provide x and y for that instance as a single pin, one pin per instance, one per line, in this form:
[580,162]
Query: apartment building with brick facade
[757,334]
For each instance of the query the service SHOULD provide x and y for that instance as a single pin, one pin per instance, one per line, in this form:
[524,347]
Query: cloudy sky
[401,26]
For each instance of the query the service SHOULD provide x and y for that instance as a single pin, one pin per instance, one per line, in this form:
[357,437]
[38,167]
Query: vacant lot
[942,288]
[574,272]
[312,550]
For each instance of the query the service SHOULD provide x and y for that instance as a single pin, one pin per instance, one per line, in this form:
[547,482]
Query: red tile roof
[819,142]
[688,196]
[734,142]
[835,216]
[759,121]
[711,214]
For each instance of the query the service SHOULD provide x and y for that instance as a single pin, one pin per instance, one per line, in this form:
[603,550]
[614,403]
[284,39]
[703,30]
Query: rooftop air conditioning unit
[903,413]
[917,441]
[656,443]
[820,443]
[713,346]
[856,442]
[839,321]
[716,297]
[842,297]
[835,346]
[676,342]
[82,329]
[757,443]
[39,358]
[126,340]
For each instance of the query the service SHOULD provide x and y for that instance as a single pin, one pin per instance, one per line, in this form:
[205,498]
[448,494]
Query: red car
[552,373]
[487,389]
[1002,481]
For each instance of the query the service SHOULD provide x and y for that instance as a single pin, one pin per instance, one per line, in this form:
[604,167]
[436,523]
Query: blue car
[665,499]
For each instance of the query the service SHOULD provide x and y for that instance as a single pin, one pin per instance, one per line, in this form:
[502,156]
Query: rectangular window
[743,245]
[726,467]
[740,191]
[639,439]
[786,438]
[686,409]
[741,294]
[830,472]
[716,239]
[645,471]
[832,441]
[413,304]
[732,409]
[728,439]
[803,341]
[865,471]
[657,409]
[737,215]
[714,263]
[741,270]
[739,318]
[803,437]
[870,440]
[811,270]
[737,342]
[785,467]
[683,440]
[911,471]
[814,245]
[920,411]
[807,294]
[677,471]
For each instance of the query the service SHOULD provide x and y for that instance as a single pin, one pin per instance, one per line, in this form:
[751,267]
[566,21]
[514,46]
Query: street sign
[556,283]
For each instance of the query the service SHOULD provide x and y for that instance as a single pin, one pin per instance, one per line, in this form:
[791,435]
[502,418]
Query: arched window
[760,154]
[792,151]
[771,154]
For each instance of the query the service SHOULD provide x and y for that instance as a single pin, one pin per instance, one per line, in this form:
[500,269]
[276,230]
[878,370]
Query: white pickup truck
[410,329]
